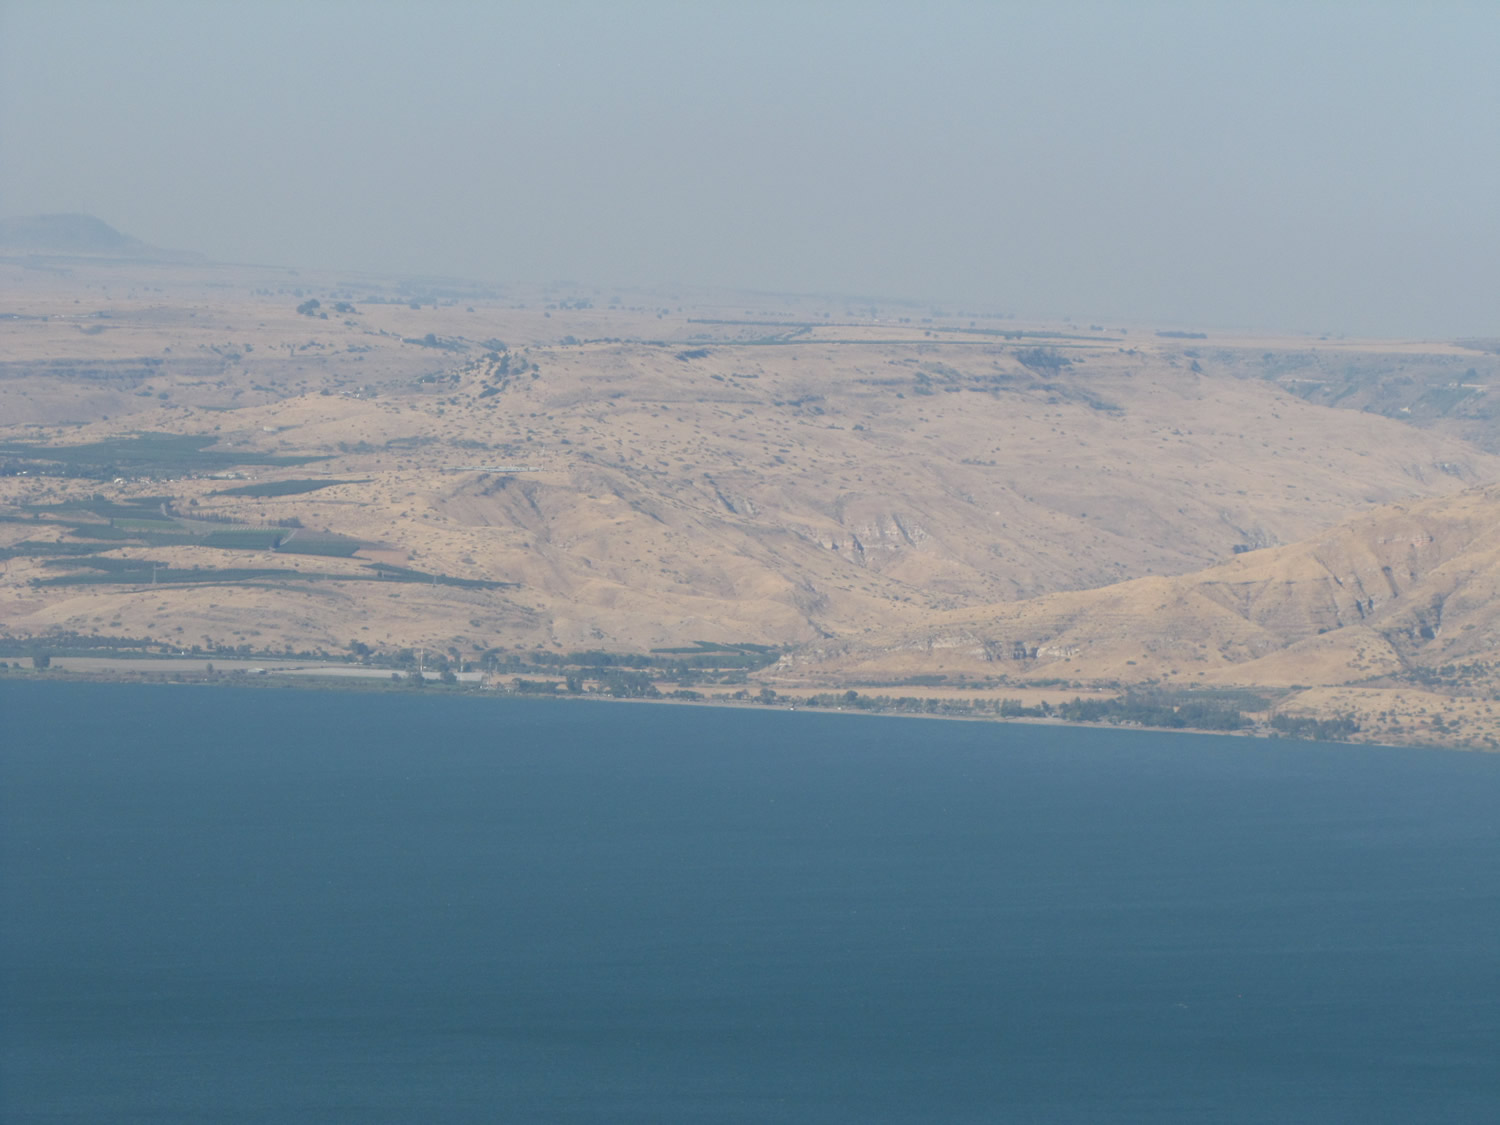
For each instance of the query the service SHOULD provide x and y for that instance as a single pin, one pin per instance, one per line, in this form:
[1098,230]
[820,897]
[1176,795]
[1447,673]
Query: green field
[136,572]
[37,548]
[149,454]
[151,522]
[96,570]
[321,544]
[402,574]
[282,487]
[145,523]
[127,524]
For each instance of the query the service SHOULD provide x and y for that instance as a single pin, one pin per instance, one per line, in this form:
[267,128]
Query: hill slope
[1407,597]
[934,498]
[785,497]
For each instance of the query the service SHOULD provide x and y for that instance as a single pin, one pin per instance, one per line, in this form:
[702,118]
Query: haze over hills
[886,493]
[79,235]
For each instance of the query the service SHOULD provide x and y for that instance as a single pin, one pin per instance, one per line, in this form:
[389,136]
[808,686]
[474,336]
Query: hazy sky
[1330,167]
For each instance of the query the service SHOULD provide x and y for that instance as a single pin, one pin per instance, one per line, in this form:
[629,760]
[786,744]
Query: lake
[276,905]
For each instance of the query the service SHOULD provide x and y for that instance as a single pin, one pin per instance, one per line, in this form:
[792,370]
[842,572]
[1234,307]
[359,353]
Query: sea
[226,904]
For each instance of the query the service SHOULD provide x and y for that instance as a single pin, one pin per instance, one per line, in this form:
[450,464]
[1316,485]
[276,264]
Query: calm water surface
[222,905]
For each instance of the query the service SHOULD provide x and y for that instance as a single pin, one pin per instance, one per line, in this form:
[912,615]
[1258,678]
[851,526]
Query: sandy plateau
[884,493]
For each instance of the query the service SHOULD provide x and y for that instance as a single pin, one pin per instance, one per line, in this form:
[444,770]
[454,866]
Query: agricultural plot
[100,570]
[35,548]
[149,455]
[151,522]
[402,574]
[300,541]
[275,488]
[167,533]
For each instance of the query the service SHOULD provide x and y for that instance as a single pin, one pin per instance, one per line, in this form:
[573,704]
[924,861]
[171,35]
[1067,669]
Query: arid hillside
[1388,607]
[228,458]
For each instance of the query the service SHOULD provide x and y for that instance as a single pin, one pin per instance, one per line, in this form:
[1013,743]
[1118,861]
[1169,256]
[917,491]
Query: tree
[629,685]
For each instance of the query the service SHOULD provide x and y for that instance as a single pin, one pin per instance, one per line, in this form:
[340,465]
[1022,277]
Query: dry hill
[1403,599]
[560,468]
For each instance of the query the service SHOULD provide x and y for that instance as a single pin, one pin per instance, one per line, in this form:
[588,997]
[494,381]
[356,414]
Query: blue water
[222,905]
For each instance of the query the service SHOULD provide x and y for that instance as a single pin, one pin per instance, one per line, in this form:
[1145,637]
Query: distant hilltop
[74,235]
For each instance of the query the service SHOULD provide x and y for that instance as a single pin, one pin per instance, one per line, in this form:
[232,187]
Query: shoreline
[259,676]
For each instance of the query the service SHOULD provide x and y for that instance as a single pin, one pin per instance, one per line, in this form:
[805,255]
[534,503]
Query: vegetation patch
[324,543]
[95,570]
[148,454]
[1323,730]
[36,548]
[402,574]
[152,522]
[282,487]
[107,571]
[674,662]
[1175,711]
